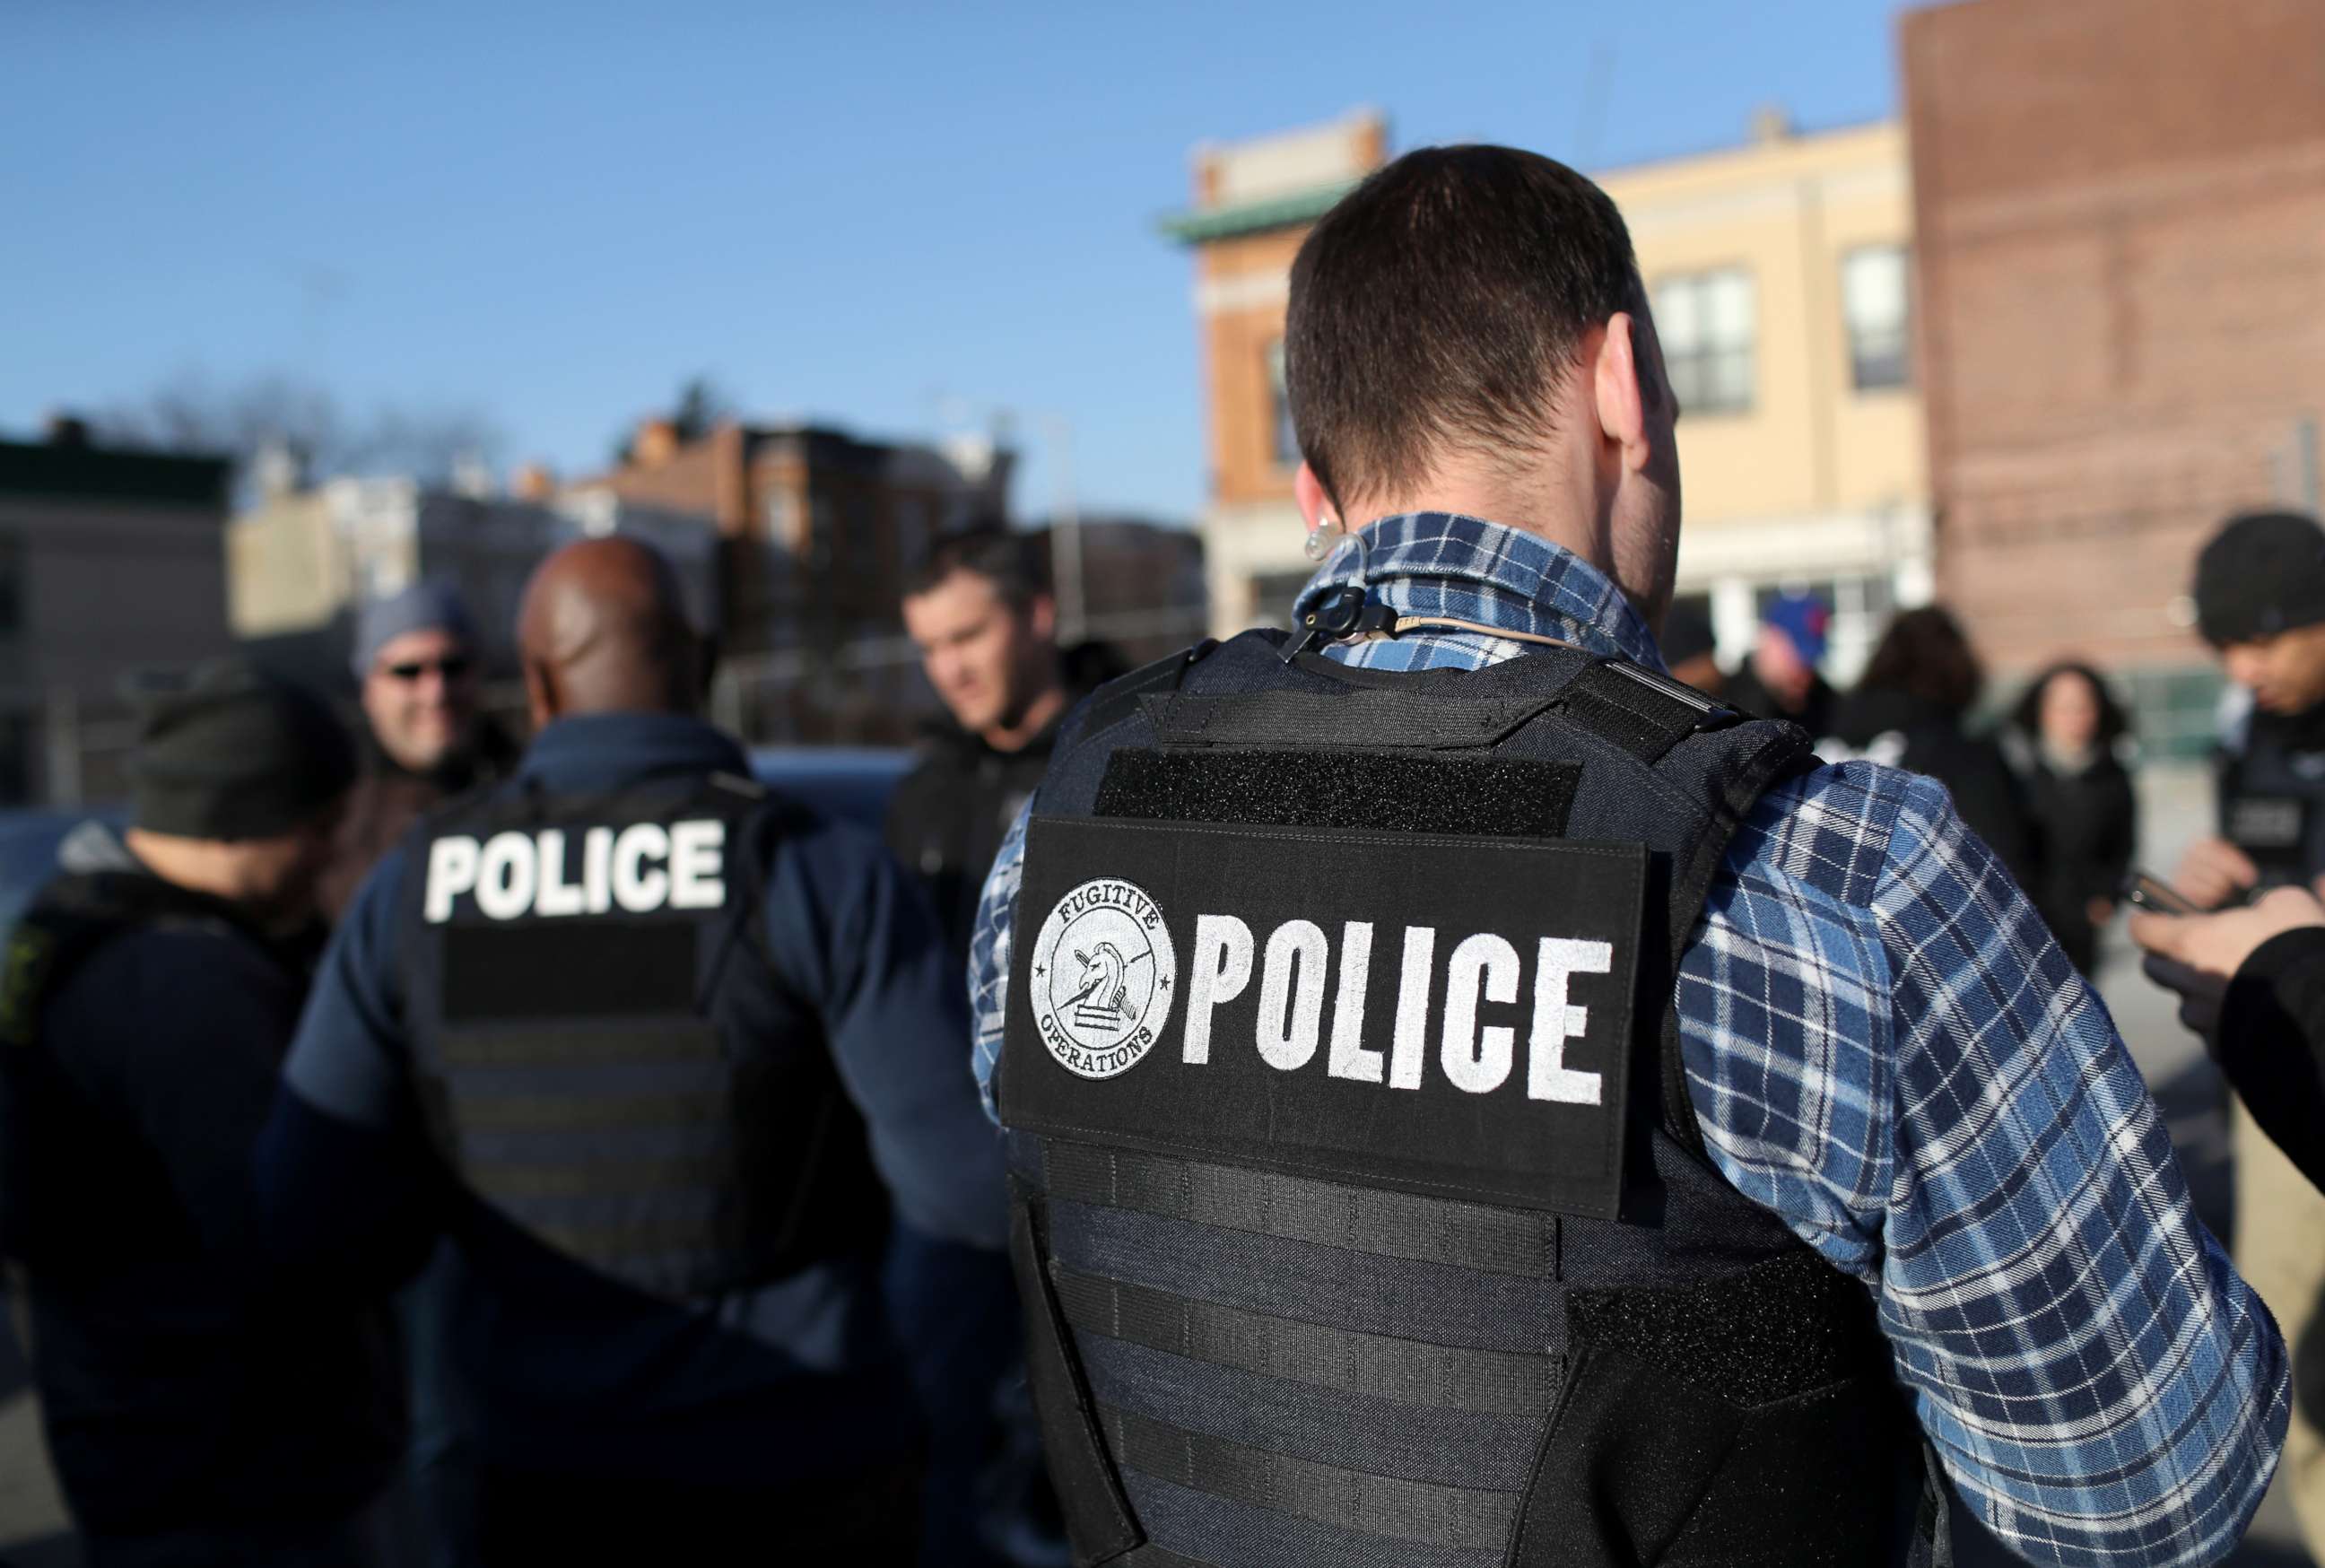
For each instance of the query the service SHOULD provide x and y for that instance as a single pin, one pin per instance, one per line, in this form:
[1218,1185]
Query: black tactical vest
[604,1055]
[2272,797]
[40,1111]
[1360,1209]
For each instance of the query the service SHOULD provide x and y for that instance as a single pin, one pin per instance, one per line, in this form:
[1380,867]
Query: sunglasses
[451,667]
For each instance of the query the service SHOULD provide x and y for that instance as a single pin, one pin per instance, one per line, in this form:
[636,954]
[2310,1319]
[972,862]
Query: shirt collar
[1440,563]
[609,750]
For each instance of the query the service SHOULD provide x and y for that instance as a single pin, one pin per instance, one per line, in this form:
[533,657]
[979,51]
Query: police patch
[1445,1015]
[1103,977]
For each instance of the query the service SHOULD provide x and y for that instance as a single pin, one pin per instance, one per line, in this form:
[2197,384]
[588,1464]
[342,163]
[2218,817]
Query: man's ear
[1042,615]
[1315,502]
[1615,384]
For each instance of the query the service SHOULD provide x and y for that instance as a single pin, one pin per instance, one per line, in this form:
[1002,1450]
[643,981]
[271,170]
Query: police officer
[2260,602]
[203,1404]
[979,611]
[1476,1100]
[673,1044]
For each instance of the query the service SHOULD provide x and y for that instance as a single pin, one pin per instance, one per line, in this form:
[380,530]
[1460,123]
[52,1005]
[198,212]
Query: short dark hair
[1437,306]
[1002,556]
[1924,654]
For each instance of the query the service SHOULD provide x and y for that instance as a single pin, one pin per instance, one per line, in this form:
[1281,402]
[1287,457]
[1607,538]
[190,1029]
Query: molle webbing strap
[1403,721]
[1787,753]
[1637,710]
[1373,792]
[1406,1371]
[1156,1557]
[550,1109]
[593,1044]
[1421,1512]
[1096,1514]
[1390,1224]
[1118,699]
[596,1178]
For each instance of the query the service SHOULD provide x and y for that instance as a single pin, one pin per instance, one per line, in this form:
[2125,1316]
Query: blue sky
[886,216]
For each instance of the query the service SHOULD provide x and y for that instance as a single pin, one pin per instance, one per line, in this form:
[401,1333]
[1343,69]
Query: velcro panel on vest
[1395,720]
[1518,797]
[1452,1063]
[578,969]
[1679,1434]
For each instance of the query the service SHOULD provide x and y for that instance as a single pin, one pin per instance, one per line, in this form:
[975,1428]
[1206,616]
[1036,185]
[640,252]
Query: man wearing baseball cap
[201,1407]
[1780,680]
[2260,602]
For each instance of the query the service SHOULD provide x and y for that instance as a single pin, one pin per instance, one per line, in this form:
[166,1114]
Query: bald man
[662,1052]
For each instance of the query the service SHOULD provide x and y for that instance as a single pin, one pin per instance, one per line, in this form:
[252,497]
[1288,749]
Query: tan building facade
[1782,275]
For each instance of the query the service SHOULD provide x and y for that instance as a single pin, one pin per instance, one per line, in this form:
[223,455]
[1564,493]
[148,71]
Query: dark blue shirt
[796,1379]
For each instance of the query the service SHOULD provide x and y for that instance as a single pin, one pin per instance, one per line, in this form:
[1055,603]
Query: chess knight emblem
[1103,976]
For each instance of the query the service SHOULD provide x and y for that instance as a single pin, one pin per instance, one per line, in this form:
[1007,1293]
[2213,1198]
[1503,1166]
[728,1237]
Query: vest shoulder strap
[73,916]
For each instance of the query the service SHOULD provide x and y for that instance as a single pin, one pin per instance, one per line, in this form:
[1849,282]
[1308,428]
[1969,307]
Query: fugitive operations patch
[1104,976]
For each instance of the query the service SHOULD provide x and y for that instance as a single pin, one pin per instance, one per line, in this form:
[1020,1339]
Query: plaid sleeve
[989,956]
[2098,1381]
[1887,1048]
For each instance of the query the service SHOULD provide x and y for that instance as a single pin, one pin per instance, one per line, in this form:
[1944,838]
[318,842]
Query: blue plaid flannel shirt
[1887,1050]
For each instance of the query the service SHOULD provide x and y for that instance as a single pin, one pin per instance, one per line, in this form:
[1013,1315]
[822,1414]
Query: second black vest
[606,1056]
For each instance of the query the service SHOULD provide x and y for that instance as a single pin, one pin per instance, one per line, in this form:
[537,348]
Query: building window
[1705,322]
[1873,304]
[1284,442]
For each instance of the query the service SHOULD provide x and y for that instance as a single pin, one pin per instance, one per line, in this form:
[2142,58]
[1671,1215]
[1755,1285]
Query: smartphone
[2142,891]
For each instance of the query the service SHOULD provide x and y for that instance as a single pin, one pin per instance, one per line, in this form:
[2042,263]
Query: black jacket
[2085,828]
[186,1381]
[1909,732]
[948,817]
[2271,1043]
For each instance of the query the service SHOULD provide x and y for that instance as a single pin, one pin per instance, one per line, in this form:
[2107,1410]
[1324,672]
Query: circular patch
[1103,976]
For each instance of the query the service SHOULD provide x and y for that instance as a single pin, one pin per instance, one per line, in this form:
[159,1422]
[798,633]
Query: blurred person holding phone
[2260,603]
[2251,981]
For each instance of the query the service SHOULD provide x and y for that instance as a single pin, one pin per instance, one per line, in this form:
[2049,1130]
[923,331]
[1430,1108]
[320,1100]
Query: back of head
[1436,309]
[1925,655]
[232,754]
[604,629]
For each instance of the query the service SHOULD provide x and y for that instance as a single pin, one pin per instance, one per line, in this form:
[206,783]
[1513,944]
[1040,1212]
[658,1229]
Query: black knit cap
[2262,573]
[229,752]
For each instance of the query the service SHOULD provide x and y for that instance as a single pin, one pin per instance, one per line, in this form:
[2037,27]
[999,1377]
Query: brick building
[844,517]
[2121,213]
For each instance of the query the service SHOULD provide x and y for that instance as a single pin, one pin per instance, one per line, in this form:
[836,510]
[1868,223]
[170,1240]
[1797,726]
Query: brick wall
[1236,342]
[2121,216]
